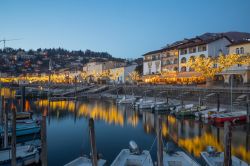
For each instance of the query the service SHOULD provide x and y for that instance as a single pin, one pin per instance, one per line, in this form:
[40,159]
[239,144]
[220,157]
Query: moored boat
[172,157]
[230,117]
[133,156]
[178,158]
[212,158]
[126,100]
[22,115]
[25,155]
[23,129]
[85,161]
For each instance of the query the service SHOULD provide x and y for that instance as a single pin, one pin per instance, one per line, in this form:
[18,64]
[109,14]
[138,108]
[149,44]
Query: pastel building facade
[240,74]
[202,47]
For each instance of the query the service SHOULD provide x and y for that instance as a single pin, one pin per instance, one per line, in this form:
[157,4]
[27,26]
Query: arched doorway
[219,80]
[236,79]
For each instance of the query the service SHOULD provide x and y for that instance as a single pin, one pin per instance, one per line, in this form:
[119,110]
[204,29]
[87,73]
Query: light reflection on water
[116,125]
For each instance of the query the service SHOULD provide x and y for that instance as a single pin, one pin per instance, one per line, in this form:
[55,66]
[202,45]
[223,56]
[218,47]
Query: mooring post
[248,109]
[1,109]
[6,126]
[248,138]
[227,144]
[218,102]
[159,140]
[44,139]
[13,138]
[92,141]
[23,98]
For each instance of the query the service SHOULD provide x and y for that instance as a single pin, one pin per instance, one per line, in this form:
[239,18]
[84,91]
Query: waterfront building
[239,73]
[95,68]
[121,74]
[204,46]
[152,62]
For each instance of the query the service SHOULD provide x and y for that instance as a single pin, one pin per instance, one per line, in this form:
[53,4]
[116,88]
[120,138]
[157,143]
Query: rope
[149,150]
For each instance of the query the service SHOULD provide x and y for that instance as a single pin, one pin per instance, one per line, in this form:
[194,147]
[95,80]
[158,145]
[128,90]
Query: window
[241,50]
[183,69]
[175,61]
[168,62]
[192,58]
[192,50]
[202,48]
[183,60]
[183,51]
[237,51]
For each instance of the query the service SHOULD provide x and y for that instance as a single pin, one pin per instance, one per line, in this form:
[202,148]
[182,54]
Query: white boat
[133,157]
[85,161]
[211,158]
[182,107]
[178,159]
[126,100]
[25,155]
[206,113]
[160,106]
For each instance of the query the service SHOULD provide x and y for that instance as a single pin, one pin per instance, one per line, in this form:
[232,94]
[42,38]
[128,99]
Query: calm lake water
[115,126]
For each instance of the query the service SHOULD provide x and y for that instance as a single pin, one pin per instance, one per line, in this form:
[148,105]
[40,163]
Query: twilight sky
[124,28]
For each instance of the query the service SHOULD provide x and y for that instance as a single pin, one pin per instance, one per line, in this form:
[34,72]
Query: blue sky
[124,28]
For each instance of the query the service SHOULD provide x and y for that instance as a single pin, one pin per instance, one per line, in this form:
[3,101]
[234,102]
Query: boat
[211,158]
[22,129]
[22,115]
[133,156]
[190,111]
[143,104]
[160,106]
[25,155]
[171,157]
[126,100]
[208,112]
[231,117]
[85,161]
[178,158]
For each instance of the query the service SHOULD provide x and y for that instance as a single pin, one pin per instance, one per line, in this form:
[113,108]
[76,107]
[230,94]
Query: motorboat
[85,161]
[133,156]
[25,155]
[126,100]
[211,157]
[230,117]
[208,112]
[171,157]
[22,129]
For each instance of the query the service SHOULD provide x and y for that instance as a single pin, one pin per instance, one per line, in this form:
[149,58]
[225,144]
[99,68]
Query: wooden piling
[248,109]
[5,127]
[92,141]
[227,144]
[44,140]
[13,139]
[159,141]
[23,98]
[218,102]
[1,109]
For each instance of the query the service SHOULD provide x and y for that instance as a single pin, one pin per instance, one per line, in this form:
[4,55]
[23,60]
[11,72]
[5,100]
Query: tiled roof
[239,43]
[205,38]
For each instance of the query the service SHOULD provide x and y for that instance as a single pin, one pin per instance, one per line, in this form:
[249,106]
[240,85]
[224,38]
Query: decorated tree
[133,76]
[209,66]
